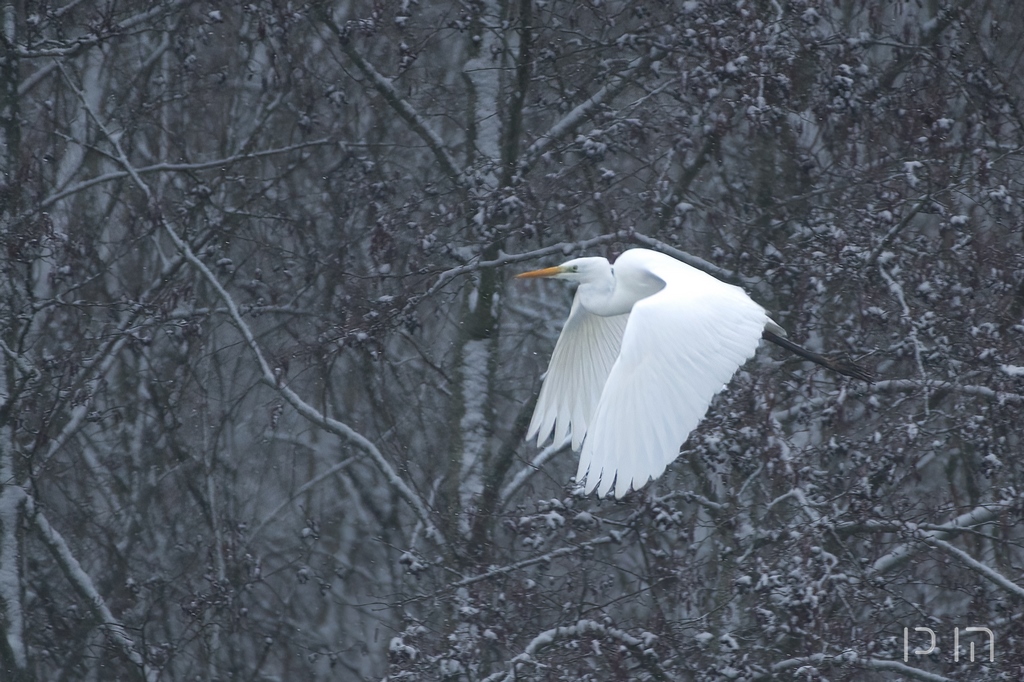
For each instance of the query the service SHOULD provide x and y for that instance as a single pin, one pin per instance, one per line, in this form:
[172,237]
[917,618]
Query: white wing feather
[583,356]
[681,346]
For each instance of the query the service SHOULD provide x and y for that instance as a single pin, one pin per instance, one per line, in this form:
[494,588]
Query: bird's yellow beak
[546,272]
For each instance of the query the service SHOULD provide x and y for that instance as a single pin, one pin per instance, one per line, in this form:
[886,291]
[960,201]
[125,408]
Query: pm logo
[956,643]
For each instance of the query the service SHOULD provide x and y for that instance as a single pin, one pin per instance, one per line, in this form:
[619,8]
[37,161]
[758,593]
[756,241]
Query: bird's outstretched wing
[681,346]
[583,356]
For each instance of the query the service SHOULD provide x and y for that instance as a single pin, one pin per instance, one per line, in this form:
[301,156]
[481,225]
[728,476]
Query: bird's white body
[647,345]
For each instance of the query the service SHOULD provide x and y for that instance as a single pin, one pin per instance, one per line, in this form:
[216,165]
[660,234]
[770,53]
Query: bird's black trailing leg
[845,367]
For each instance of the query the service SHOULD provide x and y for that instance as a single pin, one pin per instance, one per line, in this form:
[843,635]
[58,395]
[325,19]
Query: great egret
[647,345]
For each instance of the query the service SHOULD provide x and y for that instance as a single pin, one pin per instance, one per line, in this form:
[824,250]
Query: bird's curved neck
[605,296]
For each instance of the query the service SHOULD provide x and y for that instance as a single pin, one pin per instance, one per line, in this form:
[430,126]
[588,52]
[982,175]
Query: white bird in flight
[648,343]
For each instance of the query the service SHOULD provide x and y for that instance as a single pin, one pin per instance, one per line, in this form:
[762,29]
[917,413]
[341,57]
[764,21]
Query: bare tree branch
[83,584]
[582,628]
[854,660]
[267,372]
[524,474]
[975,565]
[980,515]
[585,110]
[402,107]
[903,386]
[180,168]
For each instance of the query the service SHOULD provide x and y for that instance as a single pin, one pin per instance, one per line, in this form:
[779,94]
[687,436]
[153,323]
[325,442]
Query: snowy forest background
[266,377]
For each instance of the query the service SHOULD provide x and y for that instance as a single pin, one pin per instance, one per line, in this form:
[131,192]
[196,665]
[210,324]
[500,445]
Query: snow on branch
[908,318]
[797,494]
[13,615]
[27,375]
[896,229]
[85,588]
[533,467]
[808,665]
[26,369]
[586,109]
[983,514]
[77,45]
[408,113]
[713,507]
[583,628]
[268,375]
[903,386]
[975,565]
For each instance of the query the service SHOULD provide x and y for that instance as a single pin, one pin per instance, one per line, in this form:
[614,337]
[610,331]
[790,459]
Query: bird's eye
[575,268]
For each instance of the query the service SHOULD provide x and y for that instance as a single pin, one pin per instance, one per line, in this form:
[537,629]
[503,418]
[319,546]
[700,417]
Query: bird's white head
[581,270]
